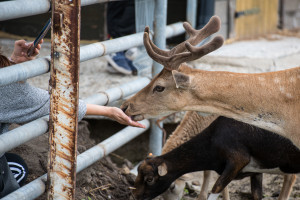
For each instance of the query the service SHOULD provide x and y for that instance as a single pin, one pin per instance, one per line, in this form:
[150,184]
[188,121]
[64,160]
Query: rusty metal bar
[64,82]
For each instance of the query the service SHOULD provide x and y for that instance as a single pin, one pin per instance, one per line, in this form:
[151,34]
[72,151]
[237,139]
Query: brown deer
[267,100]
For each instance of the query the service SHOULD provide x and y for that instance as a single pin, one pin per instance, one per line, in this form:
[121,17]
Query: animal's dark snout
[124,108]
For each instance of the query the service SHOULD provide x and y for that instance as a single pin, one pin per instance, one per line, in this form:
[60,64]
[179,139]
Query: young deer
[267,100]
[231,148]
[191,125]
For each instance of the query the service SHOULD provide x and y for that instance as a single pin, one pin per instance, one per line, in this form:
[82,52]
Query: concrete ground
[276,52]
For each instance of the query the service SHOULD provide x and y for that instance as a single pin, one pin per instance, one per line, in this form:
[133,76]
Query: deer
[190,126]
[231,148]
[269,100]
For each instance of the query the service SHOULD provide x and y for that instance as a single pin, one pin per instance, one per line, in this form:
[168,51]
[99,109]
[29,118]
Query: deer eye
[158,88]
[150,181]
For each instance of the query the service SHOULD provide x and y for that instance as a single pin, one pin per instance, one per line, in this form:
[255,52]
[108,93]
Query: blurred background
[241,19]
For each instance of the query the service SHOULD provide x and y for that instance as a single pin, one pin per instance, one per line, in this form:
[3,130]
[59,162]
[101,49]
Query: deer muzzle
[127,109]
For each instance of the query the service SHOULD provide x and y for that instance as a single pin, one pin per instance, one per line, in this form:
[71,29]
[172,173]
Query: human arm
[113,113]
[20,51]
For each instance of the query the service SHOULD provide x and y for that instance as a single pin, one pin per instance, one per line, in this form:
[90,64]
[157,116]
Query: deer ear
[181,80]
[162,169]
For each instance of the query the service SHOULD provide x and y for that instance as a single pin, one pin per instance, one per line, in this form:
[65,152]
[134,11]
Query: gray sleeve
[81,109]
[21,103]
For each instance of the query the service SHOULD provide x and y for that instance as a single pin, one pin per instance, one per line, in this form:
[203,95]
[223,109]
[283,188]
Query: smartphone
[39,37]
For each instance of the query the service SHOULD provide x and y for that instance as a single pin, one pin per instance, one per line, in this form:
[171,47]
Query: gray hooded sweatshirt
[22,103]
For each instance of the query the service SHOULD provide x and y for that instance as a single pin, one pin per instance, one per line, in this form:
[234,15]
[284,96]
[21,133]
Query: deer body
[268,100]
[233,149]
[191,125]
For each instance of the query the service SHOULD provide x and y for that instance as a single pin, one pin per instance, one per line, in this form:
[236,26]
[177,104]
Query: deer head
[152,179]
[167,92]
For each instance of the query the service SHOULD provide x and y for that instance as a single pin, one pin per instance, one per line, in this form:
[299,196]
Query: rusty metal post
[64,82]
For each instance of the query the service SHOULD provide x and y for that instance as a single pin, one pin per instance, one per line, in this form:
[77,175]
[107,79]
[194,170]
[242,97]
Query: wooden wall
[255,18]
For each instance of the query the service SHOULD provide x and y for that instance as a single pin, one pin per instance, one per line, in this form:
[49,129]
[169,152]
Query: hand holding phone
[39,38]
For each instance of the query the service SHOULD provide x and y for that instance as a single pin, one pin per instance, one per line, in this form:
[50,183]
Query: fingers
[130,122]
[136,124]
[36,50]
[124,119]
[20,43]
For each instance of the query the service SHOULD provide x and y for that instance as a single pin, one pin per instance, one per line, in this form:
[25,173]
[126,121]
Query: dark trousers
[206,9]
[8,183]
[120,18]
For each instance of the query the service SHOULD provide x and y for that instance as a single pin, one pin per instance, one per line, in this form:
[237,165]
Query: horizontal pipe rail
[116,93]
[16,9]
[24,70]
[40,66]
[120,44]
[37,187]
[25,133]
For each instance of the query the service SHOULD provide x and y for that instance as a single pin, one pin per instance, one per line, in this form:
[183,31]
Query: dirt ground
[109,178]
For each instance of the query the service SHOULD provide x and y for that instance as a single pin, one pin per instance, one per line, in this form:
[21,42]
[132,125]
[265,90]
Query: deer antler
[185,51]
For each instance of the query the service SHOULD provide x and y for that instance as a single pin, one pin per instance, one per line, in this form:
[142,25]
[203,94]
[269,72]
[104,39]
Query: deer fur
[192,124]
[231,148]
[270,100]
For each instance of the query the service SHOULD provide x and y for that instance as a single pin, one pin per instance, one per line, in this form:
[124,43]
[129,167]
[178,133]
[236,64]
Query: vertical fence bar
[64,82]
[191,12]
[160,22]
[159,26]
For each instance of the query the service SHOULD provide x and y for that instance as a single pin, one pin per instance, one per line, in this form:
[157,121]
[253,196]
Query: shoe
[117,62]
[18,167]
[132,53]
[142,63]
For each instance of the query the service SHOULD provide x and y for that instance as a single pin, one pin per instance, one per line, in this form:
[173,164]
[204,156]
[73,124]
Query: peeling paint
[64,98]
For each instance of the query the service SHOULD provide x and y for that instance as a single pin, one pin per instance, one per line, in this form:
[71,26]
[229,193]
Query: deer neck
[200,156]
[261,99]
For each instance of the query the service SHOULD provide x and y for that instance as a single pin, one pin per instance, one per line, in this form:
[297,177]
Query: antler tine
[162,59]
[196,52]
[216,43]
[154,47]
[185,51]
[196,36]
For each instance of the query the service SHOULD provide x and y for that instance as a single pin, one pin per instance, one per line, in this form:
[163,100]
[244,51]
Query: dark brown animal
[233,149]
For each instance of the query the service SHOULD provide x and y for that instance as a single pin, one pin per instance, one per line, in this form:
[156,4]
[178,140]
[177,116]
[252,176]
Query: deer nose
[124,108]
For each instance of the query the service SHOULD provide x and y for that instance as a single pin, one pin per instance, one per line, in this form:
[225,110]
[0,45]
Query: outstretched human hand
[118,115]
[20,51]
[113,113]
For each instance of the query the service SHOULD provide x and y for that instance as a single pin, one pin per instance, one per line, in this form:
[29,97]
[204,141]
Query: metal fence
[8,141]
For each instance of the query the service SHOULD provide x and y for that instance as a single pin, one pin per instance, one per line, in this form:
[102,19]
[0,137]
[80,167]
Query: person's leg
[120,18]
[120,22]
[8,183]
[18,167]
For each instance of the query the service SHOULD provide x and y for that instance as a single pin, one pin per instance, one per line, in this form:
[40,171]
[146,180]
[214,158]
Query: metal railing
[22,71]
[37,187]
[40,66]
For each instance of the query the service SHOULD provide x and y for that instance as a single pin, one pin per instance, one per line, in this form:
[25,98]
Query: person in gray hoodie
[21,102]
